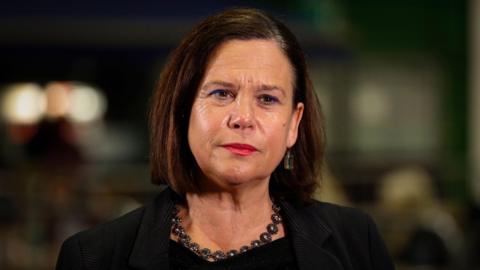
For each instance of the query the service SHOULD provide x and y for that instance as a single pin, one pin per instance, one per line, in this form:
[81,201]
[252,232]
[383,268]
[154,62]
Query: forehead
[256,59]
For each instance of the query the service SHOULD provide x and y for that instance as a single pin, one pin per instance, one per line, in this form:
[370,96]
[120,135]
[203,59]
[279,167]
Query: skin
[245,97]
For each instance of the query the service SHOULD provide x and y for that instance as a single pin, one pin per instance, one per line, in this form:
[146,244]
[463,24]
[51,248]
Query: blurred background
[399,82]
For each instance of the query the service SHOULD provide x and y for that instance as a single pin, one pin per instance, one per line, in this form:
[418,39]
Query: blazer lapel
[151,247]
[308,236]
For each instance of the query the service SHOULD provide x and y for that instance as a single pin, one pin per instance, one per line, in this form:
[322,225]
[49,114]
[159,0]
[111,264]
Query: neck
[239,198]
[228,219]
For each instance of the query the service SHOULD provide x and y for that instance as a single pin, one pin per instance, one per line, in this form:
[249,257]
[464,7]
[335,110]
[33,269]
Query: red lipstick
[240,149]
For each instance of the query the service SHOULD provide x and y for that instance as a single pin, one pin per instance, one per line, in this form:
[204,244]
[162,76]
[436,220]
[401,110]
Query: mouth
[240,149]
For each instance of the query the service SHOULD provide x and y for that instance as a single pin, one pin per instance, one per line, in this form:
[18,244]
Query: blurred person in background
[424,233]
[237,136]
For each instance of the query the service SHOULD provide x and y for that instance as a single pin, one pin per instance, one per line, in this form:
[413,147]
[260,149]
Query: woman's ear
[294,123]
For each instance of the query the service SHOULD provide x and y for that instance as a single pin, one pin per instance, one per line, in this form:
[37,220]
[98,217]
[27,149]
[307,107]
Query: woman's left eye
[268,99]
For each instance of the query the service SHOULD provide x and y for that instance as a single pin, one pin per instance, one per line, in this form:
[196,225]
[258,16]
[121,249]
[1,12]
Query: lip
[240,149]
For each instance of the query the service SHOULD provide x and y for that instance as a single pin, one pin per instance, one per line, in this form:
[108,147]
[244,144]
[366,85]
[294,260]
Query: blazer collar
[150,250]
[307,233]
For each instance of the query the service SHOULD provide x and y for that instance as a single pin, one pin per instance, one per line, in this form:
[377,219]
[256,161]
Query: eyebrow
[218,83]
[263,87]
[269,87]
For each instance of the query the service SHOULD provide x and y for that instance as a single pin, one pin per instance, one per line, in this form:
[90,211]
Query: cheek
[276,140]
[202,124]
[276,126]
[199,114]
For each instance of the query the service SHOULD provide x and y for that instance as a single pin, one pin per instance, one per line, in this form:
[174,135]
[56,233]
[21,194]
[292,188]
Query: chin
[237,179]
[233,175]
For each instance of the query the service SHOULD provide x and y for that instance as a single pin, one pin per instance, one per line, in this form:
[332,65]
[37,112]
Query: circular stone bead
[244,249]
[194,247]
[275,208]
[205,253]
[265,237]
[232,253]
[185,242]
[255,243]
[272,228]
[183,235]
[276,218]
[176,230]
[176,220]
[218,255]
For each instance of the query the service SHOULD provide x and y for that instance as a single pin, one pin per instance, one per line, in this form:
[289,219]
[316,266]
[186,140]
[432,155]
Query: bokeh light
[23,103]
[58,100]
[86,104]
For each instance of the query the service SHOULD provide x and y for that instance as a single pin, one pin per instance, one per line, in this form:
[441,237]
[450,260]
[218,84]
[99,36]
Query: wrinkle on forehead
[234,62]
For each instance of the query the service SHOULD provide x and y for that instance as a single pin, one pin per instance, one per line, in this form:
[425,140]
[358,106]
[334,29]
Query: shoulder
[110,245]
[126,227]
[123,226]
[336,215]
[348,224]
[342,222]
[353,235]
[95,245]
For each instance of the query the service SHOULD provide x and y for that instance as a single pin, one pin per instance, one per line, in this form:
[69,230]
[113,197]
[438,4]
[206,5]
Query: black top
[276,255]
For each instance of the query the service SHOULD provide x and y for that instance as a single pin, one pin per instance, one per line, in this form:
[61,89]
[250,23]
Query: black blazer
[323,236]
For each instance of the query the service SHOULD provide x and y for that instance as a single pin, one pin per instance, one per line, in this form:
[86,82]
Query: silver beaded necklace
[185,240]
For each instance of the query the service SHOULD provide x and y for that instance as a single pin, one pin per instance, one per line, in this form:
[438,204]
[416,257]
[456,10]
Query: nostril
[236,126]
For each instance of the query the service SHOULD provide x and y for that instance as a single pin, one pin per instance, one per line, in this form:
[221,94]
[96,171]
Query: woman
[233,101]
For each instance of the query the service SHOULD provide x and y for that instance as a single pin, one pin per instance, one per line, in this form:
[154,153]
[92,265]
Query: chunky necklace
[185,240]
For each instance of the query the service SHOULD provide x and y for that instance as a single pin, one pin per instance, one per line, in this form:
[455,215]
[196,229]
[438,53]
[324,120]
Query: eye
[221,94]
[268,99]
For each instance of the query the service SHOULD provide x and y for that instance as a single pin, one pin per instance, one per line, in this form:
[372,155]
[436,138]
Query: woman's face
[242,119]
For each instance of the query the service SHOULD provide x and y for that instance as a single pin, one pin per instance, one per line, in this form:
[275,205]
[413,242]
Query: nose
[242,114]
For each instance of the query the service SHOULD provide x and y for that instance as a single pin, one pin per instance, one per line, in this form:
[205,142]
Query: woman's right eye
[221,94]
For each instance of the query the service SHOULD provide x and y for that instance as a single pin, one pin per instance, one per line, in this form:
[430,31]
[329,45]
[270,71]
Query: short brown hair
[172,161]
